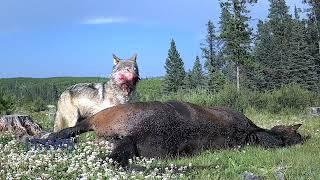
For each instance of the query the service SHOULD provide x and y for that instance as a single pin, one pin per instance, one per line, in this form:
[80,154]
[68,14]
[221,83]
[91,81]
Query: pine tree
[197,74]
[235,33]
[175,73]
[263,47]
[272,46]
[313,30]
[280,25]
[188,82]
[229,69]
[302,67]
[213,63]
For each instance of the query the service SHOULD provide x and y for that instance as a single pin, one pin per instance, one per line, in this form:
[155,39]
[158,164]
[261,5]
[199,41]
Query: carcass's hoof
[48,143]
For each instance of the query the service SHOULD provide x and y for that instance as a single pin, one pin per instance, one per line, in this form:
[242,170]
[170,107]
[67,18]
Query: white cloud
[105,20]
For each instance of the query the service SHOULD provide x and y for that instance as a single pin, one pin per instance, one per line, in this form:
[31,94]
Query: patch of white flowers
[89,160]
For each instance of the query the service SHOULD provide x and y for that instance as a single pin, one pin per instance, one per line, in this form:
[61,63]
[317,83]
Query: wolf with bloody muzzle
[84,100]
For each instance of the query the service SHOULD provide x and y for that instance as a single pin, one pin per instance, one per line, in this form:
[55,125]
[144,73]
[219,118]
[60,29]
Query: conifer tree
[263,47]
[213,63]
[188,82]
[236,34]
[175,73]
[197,74]
[313,30]
[302,67]
[272,46]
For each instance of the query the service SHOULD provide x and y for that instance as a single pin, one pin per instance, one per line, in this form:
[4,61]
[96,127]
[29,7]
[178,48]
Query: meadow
[89,160]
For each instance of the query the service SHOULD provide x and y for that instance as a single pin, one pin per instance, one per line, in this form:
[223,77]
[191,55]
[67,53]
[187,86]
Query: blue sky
[42,38]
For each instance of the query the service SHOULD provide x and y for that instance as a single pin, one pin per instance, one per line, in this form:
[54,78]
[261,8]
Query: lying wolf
[84,100]
[156,129]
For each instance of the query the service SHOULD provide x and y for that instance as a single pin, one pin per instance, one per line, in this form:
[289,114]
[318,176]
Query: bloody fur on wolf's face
[125,73]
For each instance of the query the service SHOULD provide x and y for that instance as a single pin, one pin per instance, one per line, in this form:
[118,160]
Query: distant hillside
[46,89]
[49,89]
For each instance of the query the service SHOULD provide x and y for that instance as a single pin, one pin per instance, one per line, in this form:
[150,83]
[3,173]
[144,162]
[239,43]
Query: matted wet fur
[157,129]
[84,100]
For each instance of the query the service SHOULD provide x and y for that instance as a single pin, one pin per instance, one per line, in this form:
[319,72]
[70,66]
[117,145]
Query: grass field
[89,159]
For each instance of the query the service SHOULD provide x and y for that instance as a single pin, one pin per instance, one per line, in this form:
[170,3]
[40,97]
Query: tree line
[35,93]
[285,49]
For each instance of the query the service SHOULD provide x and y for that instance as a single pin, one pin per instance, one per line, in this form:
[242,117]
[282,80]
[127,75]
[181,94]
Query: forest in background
[34,95]
[283,49]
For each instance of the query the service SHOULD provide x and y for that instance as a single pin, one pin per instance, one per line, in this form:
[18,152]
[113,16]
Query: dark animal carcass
[157,129]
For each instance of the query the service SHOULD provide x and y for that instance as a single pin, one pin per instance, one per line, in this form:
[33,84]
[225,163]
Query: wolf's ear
[116,60]
[295,127]
[134,58]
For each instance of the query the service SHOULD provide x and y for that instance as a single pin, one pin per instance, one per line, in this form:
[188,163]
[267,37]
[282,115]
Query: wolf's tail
[81,127]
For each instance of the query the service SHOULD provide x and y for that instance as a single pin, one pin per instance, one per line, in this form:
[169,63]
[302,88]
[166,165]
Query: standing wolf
[84,100]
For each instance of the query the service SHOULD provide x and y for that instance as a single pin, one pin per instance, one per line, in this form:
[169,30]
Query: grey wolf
[84,100]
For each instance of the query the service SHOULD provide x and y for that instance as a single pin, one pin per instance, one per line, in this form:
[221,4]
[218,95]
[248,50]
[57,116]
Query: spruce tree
[302,67]
[175,73]
[262,55]
[213,64]
[188,82]
[272,46]
[280,25]
[313,30]
[197,74]
[236,34]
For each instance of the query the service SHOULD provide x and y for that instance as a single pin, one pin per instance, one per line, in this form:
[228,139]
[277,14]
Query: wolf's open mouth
[127,86]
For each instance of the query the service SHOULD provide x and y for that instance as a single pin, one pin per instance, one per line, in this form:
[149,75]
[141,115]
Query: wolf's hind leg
[67,113]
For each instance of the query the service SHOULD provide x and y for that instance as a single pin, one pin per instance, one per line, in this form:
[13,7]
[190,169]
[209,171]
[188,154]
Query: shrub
[38,105]
[149,90]
[7,104]
[288,98]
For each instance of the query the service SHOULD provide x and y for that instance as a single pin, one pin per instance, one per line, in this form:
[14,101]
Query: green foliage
[289,98]
[149,89]
[195,78]
[175,73]
[38,105]
[214,63]
[7,104]
[48,90]
[235,33]
[313,31]
[209,48]
[188,81]
[283,52]
[216,81]
[302,65]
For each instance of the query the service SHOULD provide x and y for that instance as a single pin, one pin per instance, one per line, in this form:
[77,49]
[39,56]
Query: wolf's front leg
[124,150]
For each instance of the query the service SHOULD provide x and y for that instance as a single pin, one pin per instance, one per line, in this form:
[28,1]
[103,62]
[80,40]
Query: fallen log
[19,125]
